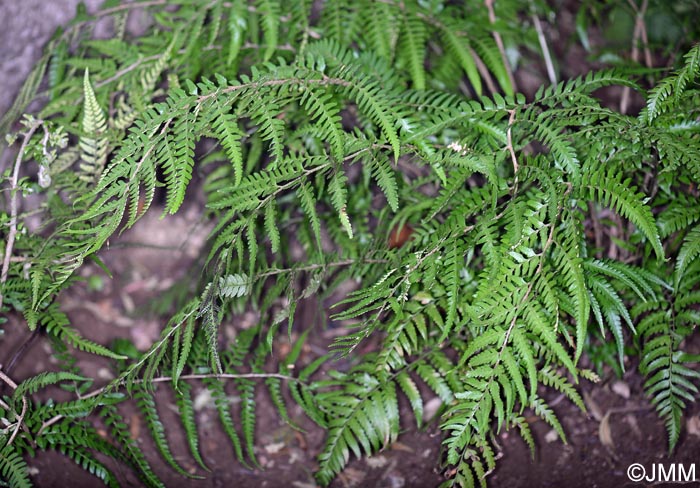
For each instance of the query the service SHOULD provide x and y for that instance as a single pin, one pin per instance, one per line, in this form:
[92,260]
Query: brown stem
[165,379]
[12,234]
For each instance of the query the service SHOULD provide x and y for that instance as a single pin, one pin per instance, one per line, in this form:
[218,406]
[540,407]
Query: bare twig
[12,233]
[8,380]
[641,25]
[545,50]
[20,420]
[499,42]
[22,349]
[484,71]
[311,267]
[639,34]
[511,150]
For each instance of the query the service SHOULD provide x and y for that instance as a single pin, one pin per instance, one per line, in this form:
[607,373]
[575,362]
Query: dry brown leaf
[605,432]
[400,446]
[128,302]
[375,462]
[632,422]
[300,439]
[135,426]
[592,406]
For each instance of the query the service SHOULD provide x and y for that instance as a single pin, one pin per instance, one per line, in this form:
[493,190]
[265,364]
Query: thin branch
[499,42]
[8,380]
[127,69]
[545,50]
[511,149]
[639,22]
[12,234]
[311,267]
[155,57]
[640,34]
[483,71]
[20,420]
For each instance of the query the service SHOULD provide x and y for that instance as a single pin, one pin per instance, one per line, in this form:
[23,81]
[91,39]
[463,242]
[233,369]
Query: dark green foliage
[332,130]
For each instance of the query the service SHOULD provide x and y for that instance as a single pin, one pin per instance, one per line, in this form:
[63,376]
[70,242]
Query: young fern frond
[94,142]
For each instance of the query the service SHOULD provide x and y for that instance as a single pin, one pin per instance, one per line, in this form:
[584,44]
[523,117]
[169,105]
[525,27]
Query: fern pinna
[326,131]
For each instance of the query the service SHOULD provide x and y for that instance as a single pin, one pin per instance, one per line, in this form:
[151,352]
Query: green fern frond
[183,400]
[610,190]
[147,407]
[93,142]
[42,380]
[672,85]
[412,40]
[58,325]
[13,469]
[269,17]
[368,423]
[460,49]
[687,253]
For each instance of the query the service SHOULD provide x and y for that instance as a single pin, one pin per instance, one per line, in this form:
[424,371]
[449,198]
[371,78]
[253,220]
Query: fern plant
[329,129]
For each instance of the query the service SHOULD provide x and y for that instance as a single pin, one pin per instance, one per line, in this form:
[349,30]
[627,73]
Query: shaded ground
[622,428]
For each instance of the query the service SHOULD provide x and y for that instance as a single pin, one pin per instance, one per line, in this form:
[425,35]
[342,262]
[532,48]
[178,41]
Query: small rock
[396,481]
[621,388]
[693,425]
[375,462]
[274,448]
[203,400]
[551,436]
[431,408]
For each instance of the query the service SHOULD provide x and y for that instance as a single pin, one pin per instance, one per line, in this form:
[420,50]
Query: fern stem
[511,150]
[14,204]
[545,50]
[640,33]
[483,71]
[165,379]
[326,80]
[20,419]
[311,267]
[20,422]
[8,380]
